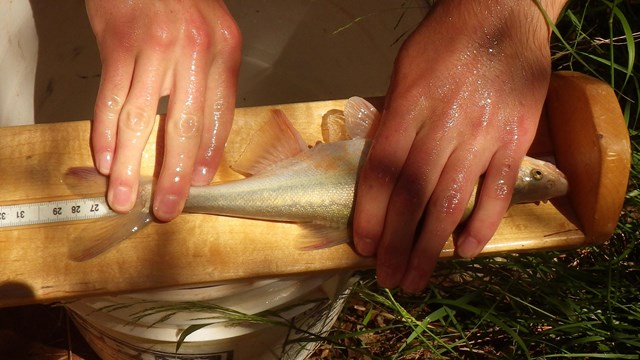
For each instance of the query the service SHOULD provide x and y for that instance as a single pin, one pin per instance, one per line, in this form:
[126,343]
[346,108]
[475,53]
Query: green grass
[582,304]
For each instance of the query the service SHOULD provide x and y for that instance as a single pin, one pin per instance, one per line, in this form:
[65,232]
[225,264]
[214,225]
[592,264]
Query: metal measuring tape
[54,212]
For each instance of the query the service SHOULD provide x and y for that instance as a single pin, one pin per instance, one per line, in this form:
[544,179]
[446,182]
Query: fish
[288,181]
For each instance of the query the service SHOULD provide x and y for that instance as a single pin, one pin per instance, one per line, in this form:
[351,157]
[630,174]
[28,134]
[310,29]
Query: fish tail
[100,235]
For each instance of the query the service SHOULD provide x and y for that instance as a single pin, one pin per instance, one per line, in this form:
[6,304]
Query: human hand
[189,50]
[464,100]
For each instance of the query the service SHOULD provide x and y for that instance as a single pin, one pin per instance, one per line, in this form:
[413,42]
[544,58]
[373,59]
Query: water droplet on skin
[180,166]
[188,126]
[114,103]
[108,135]
[486,112]
[501,189]
[450,202]
[214,135]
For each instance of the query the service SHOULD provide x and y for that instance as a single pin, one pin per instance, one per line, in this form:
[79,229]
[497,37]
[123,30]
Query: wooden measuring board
[583,122]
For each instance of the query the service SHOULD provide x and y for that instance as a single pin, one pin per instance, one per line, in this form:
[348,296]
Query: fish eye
[537,174]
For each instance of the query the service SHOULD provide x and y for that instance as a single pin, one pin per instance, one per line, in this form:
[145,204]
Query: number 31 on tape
[53,212]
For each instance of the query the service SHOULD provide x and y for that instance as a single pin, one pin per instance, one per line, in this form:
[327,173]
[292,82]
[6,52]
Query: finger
[219,106]
[444,210]
[134,127]
[494,200]
[183,130]
[115,81]
[406,206]
[378,178]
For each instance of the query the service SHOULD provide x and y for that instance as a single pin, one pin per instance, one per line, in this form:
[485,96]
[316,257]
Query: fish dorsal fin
[333,126]
[361,118]
[276,140]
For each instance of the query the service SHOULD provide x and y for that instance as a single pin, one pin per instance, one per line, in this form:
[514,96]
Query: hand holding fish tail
[464,100]
[189,50]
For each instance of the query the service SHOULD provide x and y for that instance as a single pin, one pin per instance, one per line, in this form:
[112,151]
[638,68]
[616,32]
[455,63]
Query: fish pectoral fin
[276,140]
[361,118]
[320,236]
[101,235]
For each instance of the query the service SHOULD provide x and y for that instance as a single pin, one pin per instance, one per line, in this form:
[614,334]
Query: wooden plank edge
[592,147]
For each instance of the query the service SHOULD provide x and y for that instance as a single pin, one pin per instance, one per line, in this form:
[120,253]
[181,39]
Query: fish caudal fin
[100,235]
[276,140]
[317,236]
[361,118]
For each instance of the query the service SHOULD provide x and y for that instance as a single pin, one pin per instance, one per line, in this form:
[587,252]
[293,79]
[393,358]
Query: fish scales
[316,186]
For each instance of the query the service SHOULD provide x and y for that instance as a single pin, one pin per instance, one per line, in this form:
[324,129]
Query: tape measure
[54,212]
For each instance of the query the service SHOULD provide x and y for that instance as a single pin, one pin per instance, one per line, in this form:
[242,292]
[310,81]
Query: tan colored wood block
[592,148]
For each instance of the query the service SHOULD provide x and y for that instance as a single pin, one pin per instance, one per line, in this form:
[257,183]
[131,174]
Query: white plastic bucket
[114,334]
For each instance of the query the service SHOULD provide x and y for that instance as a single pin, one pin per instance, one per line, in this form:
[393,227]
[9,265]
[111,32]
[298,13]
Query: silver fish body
[317,186]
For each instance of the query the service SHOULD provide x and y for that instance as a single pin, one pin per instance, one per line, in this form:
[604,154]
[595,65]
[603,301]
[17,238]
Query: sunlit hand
[465,99]
[189,50]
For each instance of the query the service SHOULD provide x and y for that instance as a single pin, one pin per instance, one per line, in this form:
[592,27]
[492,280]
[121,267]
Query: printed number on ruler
[53,211]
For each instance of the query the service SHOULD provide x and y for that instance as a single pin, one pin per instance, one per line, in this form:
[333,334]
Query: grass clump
[581,304]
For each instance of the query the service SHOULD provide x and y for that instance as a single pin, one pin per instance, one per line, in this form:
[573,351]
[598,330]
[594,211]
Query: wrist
[489,18]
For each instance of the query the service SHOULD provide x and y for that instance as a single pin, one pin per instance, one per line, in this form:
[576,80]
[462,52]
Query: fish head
[539,180]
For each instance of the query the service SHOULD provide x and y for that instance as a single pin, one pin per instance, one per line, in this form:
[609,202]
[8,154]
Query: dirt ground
[41,332]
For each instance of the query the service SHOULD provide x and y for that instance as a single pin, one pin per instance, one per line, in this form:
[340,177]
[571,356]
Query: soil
[41,332]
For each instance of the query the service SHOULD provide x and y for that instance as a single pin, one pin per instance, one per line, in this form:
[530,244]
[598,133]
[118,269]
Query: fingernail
[201,176]
[468,247]
[167,207]
[121,198]
[365,246]
[104,163]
